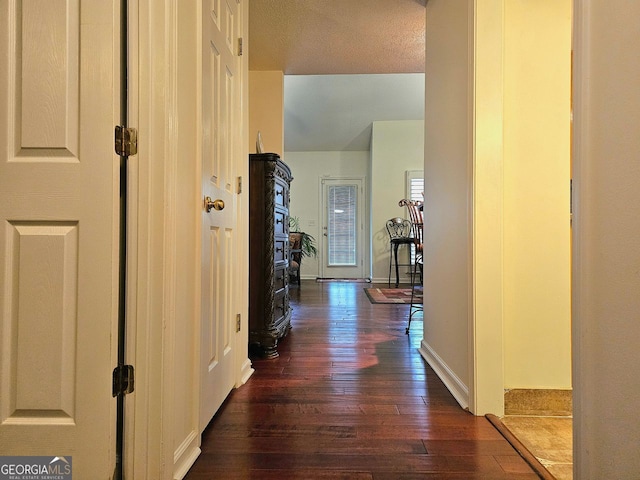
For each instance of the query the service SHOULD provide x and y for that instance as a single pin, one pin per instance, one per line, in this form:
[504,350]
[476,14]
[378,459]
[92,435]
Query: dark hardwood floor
[349,397]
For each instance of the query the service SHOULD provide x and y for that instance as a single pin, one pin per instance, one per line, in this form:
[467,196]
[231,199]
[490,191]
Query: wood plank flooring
[349,397]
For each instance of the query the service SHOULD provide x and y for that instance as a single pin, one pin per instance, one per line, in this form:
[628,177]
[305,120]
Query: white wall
[606,283]
[396,146]
[308,168]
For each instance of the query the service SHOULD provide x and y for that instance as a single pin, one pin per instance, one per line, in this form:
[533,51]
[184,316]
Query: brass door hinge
[240,46]
[238,322]
[126,141]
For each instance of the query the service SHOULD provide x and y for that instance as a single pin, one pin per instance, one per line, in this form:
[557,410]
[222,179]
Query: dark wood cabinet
[269,309]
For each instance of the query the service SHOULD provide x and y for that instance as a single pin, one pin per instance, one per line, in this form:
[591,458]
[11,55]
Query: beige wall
[537,256]
[606,283]
[396,146]
[266,110]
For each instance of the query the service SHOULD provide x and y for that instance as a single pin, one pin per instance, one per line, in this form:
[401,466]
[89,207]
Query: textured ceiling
[336,55]
[309,37]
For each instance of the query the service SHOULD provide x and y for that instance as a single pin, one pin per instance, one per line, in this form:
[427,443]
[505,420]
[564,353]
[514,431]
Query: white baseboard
[245,372]
[186,455]
[457,388]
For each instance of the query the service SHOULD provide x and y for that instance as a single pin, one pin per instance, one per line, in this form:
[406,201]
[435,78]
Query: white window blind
[414,191]
[415,185]
[342,225]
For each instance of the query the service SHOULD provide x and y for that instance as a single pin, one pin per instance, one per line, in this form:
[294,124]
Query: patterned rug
[351,280]
[393,295]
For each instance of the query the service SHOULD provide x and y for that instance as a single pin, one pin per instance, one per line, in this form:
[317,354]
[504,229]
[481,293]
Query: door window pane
[341,228]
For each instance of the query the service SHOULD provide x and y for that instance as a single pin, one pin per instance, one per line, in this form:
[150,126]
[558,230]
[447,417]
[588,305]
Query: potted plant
[308,243]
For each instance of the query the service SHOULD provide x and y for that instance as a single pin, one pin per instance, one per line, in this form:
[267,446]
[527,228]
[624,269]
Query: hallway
[349,397]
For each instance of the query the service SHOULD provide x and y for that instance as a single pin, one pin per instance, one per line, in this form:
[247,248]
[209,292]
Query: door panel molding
[42,281]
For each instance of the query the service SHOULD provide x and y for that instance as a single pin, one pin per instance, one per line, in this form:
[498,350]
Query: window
[414,191]
[342,224]
[415,185]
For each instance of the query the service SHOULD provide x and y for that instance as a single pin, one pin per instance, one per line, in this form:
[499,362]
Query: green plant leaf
[308,243]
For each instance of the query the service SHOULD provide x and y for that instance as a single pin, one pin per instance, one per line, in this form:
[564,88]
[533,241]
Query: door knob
[213,204]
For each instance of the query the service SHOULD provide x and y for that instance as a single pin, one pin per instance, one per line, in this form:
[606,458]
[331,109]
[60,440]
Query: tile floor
[549,439]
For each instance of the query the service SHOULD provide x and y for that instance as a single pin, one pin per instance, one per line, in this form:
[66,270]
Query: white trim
[186,455]
[582,37]
[197,187]
[134,414]
[486,329]
[170,233]
[456,386]
[245,371]
[242,362]
[151,108]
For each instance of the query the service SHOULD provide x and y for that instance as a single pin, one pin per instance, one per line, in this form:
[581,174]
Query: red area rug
[393,295]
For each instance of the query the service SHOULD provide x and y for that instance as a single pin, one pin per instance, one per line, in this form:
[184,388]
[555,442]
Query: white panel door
[221,136]
[343,228]
[58,222]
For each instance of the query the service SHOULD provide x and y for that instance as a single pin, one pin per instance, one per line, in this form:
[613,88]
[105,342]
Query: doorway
[342,249]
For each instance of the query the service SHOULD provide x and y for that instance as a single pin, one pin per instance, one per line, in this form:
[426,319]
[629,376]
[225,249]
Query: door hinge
[238,322]
[239,185]
[123,380]
[126,141]
[240,46]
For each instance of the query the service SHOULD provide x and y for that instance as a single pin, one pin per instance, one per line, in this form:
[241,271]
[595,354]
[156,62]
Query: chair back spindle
[417,225]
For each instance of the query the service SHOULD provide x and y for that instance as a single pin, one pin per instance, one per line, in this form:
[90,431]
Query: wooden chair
[417,224]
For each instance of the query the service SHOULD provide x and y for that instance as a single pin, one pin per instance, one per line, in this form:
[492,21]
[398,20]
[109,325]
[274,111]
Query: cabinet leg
[261,350]
[270,352]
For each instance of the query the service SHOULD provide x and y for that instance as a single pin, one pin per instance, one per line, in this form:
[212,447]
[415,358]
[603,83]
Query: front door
[221,136]
[58,215]
[343,229]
